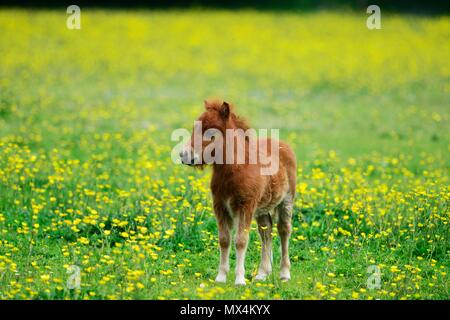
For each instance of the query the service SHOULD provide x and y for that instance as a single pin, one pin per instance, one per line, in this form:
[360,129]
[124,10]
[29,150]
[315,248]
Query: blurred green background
[86,118]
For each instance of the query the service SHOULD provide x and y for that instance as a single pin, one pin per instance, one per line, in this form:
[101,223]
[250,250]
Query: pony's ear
[224,110]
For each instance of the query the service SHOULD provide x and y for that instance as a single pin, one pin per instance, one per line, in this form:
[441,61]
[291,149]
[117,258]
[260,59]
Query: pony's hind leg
[265,231]
[284,230]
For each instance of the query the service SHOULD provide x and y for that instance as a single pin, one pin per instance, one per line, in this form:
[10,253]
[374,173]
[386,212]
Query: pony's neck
[229,167]
[236,122]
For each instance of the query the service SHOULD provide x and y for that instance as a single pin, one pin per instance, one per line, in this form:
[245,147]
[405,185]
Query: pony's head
[215,120]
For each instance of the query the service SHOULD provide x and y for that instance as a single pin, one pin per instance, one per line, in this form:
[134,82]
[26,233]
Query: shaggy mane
[238,121]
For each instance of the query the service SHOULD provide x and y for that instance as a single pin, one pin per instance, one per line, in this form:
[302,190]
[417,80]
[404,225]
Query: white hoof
[240,282]
[261,277]
[221,278]
[285,275]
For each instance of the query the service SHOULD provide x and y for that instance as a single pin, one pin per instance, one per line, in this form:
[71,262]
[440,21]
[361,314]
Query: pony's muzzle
[189,157]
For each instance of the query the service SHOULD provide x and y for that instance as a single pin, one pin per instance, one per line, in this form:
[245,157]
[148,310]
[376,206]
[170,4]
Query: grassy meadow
[86,177]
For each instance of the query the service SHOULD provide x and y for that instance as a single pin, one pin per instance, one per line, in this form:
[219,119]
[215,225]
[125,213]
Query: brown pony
[240,192]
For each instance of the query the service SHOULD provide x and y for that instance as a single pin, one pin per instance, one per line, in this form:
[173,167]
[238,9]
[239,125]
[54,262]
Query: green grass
[85,124]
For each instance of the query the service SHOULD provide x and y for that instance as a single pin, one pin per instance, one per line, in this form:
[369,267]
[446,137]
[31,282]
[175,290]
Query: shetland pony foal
[240,192]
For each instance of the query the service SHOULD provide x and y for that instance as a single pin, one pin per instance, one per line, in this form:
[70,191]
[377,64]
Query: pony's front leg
[265,231]
[224,225]
[242,234]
